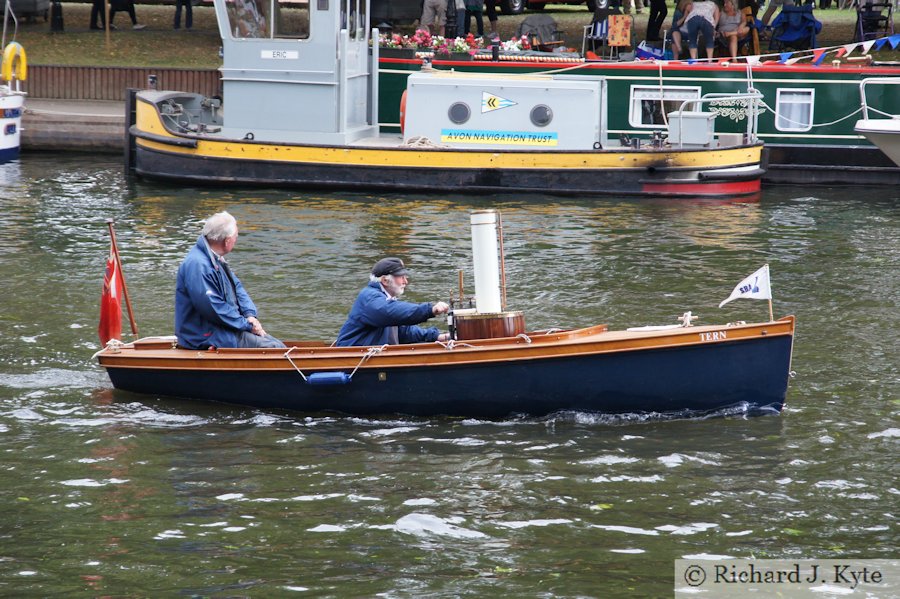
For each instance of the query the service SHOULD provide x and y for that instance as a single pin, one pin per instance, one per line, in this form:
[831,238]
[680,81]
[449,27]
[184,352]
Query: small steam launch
[489,319]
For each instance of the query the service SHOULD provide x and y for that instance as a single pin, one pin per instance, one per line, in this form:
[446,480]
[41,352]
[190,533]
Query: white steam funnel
[486,261]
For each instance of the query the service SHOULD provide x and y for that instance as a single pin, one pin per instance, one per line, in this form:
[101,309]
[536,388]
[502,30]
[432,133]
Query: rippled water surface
[108,493]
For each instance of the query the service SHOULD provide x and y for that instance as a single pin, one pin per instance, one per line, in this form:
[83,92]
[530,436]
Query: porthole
[541,115]
[459,112]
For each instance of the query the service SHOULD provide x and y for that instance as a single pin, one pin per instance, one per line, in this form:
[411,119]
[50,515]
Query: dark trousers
[658,12]
[188,14]
[97,15]
[129,9]
[479,21]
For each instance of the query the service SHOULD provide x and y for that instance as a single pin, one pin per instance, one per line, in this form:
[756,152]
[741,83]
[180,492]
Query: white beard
[393,289]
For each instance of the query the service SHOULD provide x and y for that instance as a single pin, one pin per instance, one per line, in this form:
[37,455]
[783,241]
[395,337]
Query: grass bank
[160,45]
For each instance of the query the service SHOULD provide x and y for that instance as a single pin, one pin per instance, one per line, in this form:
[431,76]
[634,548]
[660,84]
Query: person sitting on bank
[732,27]
[679,28]
[212,308]
[378,317]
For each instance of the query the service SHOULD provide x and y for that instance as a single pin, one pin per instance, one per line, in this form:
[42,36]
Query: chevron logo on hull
[490,102]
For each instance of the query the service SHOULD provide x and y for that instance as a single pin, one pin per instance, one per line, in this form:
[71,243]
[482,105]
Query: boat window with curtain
[646,110]
[794,109]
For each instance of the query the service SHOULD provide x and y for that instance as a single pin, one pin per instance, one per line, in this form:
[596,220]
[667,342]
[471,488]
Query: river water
[108,493]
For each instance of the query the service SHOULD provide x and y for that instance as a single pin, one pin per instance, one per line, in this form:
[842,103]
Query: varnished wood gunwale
[576,343]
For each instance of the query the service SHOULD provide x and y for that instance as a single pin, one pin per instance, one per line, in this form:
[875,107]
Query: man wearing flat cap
[379,317]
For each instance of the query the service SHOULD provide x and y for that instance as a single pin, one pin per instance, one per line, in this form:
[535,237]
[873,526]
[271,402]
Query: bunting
[818,55]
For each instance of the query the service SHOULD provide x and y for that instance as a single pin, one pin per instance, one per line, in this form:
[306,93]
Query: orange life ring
[403,111]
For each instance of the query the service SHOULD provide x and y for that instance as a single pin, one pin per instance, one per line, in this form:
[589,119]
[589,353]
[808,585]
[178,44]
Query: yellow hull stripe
[148,121]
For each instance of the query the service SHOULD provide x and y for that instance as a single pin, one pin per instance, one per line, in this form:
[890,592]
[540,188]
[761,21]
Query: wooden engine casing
[488,326]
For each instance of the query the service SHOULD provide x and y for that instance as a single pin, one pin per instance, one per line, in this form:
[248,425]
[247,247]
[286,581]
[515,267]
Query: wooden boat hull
[162,154]
[684,370]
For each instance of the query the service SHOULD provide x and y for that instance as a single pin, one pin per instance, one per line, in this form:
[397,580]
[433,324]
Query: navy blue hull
[697,378]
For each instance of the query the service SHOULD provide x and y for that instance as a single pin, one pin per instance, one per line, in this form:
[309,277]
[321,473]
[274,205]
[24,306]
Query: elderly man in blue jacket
[378,317]
[212,308]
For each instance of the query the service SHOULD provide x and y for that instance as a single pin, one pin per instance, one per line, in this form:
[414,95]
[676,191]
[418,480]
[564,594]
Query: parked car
[398,13]
[29,9]
[514,7]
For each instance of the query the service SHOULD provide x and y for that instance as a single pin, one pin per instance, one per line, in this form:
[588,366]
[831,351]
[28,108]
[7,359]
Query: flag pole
[112,234]
[502,262]
[771,316]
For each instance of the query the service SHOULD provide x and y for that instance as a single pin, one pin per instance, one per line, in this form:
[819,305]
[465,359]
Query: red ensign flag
[111,301]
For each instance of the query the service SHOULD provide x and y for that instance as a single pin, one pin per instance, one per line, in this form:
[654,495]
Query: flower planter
[397,52]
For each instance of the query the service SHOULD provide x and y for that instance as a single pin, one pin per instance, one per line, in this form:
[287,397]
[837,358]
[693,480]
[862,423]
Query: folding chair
[610,29]
[874,20]
[750,44]
[794,28]
[541,31]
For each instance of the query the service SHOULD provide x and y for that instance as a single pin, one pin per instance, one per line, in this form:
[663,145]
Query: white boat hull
[12,105]
[884,133]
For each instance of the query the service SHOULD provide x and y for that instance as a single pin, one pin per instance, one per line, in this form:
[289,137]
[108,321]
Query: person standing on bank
[434,16]
[378,317]
[491,6]
[658,12]
[127,6]
[212,308]
[98,15]
[474,9]
[702,17]
[188,14]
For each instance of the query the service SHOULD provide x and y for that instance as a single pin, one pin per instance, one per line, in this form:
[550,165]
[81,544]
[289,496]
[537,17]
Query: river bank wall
[72,108]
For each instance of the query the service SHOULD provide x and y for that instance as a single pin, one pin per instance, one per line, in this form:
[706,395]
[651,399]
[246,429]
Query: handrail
[752,116]
[862,92]
[7,13]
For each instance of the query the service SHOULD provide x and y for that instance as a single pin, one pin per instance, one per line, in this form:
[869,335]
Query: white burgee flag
[756,286]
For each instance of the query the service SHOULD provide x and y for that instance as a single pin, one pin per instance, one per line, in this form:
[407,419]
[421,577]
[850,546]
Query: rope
[287,355]
[882,113]
[662,92]
[843,118]
[423,142]
[525,337]
[113,344]
[369,353]
[452,344]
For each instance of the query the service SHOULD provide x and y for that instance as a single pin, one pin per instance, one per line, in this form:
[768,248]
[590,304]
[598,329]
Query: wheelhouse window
[650,104]
[353,17]
[269,18]
[794,109]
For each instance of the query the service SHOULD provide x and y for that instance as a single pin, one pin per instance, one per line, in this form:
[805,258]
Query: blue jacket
[373,314]
[209,310]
